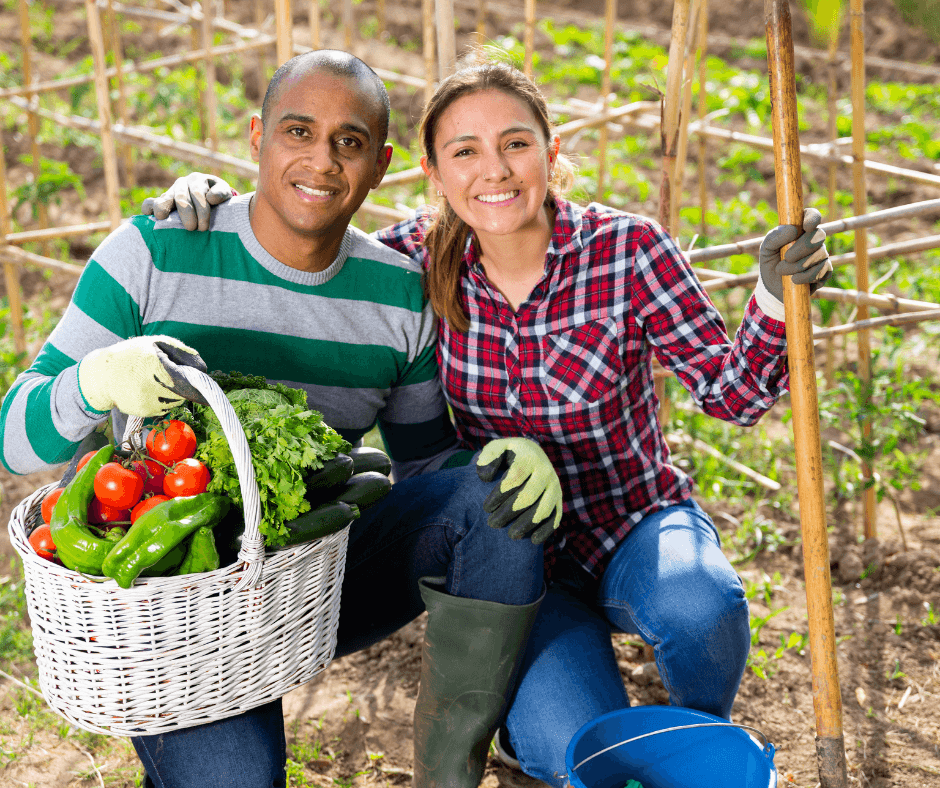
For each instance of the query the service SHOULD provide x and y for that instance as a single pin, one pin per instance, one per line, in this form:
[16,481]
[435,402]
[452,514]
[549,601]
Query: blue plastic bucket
[652,745]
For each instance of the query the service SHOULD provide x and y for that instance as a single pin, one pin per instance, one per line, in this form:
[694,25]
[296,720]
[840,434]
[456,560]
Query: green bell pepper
[201,554]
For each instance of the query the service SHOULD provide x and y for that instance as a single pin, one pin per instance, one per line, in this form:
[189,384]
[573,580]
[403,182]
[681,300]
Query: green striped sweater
[359,337]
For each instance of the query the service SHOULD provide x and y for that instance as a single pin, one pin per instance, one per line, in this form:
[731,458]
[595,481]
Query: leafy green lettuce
[288,441]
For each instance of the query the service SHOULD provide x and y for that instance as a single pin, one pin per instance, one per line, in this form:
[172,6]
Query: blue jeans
[431,525]
[669,582]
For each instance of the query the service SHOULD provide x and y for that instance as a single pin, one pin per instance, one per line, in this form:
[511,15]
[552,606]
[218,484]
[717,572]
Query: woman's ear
[256,130]
[431,171]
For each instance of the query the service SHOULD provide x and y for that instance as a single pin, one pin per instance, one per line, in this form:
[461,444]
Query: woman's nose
[495,167]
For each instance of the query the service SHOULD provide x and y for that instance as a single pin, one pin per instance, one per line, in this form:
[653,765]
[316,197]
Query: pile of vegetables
[175,507]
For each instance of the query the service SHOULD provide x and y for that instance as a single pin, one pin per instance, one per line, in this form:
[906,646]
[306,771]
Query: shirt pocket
[582,364]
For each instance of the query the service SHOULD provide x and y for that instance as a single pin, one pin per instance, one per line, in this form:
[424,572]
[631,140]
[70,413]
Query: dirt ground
[360,707]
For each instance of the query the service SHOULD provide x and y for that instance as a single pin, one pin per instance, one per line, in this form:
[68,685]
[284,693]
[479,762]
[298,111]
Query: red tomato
[152,472]
[187,477]
[146,505]
[171,441]
[118,486]
[85,458]
[48,504]
[41,541]
[100,513]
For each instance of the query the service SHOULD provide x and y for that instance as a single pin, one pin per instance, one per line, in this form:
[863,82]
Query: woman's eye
[518,144]
[463,152]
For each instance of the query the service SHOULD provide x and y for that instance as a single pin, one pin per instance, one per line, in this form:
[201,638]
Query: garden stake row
[827,699]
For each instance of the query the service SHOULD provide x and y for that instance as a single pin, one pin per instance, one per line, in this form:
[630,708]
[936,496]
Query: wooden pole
[703,112]
[528,42]
[11,274]
[860,206]
[685,111]
[284,22]
[380,17]
[669,124]
[199,71]
[261,64]
[827,700]
[117,47]
[208,11]
[348,23]
[481,22]
[428,45]
[104,115]
[610,17]
[446,41]
[32,119]
[829,374]
[314,24]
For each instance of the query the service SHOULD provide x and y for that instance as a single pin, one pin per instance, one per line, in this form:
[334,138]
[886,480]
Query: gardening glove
[191,195]
[139,376]
[528,499]
[807,261]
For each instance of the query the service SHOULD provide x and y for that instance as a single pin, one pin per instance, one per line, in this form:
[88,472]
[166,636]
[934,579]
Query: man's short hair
[336,62]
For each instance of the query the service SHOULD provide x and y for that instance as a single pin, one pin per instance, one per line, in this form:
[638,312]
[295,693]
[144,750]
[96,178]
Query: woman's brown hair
[447,236]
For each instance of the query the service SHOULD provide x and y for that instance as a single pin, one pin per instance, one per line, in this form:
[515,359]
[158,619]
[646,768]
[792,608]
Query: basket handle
[767,744]
[252,550]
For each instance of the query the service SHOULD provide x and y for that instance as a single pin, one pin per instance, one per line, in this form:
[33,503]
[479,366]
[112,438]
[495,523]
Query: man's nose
[322,158]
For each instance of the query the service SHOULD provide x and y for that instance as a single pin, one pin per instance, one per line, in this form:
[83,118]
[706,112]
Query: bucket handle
[678,728]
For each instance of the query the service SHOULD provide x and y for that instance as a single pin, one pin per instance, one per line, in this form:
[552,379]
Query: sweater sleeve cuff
[769,304]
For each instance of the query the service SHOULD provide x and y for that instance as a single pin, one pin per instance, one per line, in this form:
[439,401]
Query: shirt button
[537,293]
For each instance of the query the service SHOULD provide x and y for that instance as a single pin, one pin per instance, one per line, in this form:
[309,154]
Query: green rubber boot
[469,662]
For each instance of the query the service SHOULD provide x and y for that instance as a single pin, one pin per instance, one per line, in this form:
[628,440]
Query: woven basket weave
[174,652]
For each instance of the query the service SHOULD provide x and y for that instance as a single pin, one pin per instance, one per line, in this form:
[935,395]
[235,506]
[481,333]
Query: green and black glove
[139,376]
[528,499]
[192,196]
[807,261]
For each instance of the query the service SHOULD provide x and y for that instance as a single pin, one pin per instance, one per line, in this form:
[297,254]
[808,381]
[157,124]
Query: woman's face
[493,163]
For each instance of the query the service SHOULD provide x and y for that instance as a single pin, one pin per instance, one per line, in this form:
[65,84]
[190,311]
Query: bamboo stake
[117,47]
[199,70]
[528,42]
[684,112]
[702,112]
[427,42]
[669,126]
[446,42]
[380,17]
[261,63]
[707,448]
[32,119]
[827,701]
[829,373]
[314,24]
[860,206]
[104,115]
[11,274]
[348,23]
[609,22]
[284,21]
[481,22]
[857,326]
[883,302]
[19,257]
[208,11]
[30,236]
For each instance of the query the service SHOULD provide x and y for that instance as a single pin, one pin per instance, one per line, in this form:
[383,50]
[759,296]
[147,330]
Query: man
[282,286]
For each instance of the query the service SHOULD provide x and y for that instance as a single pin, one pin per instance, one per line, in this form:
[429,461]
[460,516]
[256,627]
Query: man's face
[318,157]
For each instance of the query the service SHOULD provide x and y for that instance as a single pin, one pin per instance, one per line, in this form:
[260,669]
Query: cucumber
[364,489]
[334,472]
[326,519]
[366,459]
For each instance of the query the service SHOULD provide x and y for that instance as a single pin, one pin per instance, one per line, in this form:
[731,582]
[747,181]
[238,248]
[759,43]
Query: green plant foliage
[55,177]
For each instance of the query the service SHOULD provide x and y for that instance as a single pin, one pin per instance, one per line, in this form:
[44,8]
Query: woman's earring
[440,193]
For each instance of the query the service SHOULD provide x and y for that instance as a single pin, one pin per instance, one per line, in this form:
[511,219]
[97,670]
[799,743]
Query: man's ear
[431,171]
[381,164]
[256,130]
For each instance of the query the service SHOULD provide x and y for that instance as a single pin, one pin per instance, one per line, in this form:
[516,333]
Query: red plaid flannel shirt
[572,368]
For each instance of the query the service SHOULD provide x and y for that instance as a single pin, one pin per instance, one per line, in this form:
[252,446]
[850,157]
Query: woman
[551,314]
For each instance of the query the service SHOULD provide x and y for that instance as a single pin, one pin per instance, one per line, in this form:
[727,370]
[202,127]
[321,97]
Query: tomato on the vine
[171,441]
[41,541]
[101,514]
[118,486]
[187,477]
[48,504]
[146,505]
[152,473]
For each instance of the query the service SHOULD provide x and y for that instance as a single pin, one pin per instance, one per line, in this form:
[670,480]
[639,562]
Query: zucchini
[326,519]
[366,459]
[334,472]
[365,489]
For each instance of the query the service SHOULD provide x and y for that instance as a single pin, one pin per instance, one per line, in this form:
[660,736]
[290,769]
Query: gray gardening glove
[192,196]
[139,376]
[807,261]
[528,499]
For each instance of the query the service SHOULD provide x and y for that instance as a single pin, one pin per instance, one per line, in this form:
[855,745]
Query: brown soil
[360,707]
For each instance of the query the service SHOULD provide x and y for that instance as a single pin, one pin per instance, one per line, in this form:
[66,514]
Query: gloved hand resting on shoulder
[139,376]
[807,261]
[192,196]
[528,499]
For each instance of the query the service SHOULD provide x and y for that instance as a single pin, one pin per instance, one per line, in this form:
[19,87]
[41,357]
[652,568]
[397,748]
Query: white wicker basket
[174,652]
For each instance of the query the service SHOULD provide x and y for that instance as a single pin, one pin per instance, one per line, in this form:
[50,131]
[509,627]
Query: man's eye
[297,131]
[350,142]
